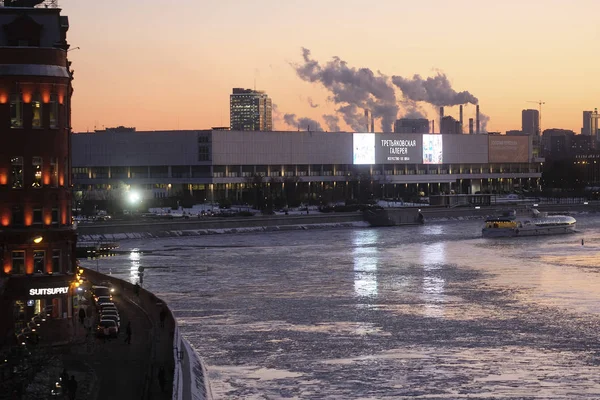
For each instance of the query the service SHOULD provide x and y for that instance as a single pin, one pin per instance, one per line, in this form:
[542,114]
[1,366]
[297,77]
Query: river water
[432,311]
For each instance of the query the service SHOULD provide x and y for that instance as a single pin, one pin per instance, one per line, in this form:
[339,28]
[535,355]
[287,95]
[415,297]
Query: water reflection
[134,257]
[433,256]
[365,262]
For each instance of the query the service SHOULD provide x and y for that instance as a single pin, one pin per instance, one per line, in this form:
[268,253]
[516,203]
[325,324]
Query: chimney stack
[461,119]
[470,126]
[372,124]
[441,117]
[477,119]
[433,126]
[367,119]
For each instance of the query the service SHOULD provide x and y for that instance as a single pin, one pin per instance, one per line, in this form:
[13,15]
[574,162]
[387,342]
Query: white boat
[534,223]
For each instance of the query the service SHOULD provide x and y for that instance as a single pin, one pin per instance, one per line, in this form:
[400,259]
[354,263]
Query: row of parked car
[109,320]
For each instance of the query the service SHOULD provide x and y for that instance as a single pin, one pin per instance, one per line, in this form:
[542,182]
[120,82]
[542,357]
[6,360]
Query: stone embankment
[122,230]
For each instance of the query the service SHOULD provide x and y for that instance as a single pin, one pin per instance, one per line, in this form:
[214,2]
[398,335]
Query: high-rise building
[586,129]
[411,125]
[37,239]
[530,122]
[250,110]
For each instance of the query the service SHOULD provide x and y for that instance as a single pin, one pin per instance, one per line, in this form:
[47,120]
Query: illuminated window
[17,172]
[39,256]
[55,216]
[53,111]
[18,262]
[54,172]
[55,260]
[36,106]
[16,111]
[36,163]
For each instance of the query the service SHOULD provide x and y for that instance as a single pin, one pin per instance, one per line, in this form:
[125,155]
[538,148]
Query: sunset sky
[171,64]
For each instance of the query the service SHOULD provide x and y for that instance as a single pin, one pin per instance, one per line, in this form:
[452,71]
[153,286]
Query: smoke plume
[353,89]
[333,122]
[483,121]
[302,123]
[435,90]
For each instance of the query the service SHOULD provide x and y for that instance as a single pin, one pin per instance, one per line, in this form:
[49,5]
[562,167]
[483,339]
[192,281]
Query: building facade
[530,122]
[37,239]
[250,110]
[411,125]
[212,165]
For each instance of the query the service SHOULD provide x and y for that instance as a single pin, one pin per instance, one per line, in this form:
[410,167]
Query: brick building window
[39,258]
[17,172]
[16,111]
[53,111]
[18,262]
[55,260]
[36,106]
[55,216]
[17,216]
[54,172]
[37,216]
[36,163]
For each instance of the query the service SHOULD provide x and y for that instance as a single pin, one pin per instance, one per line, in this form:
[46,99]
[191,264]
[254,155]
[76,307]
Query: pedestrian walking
[128,333]
[81,315]
[72,388]
[162,379]
[163,316]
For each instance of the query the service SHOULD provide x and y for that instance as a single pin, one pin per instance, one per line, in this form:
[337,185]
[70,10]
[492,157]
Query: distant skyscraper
[587,119]
[411,125]
[530,122]
[250,110]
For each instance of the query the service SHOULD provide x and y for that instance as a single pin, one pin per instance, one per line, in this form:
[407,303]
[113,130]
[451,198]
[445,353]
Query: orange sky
[156,66]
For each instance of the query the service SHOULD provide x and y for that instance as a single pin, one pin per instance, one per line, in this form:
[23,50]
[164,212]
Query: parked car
[105,317]
[104,306]
[110,311]
[103,299]
[107,328]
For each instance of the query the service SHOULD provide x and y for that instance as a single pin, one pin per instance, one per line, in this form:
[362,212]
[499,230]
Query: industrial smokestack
[441,117]
[477,118]
[367,119]
[372,124]
[470,126]
[433,126]
[460,120]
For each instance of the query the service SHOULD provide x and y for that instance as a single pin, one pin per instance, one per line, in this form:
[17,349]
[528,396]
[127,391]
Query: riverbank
[115,231]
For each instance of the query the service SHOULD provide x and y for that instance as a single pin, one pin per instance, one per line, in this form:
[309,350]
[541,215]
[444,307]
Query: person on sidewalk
[72,385]
[128,333]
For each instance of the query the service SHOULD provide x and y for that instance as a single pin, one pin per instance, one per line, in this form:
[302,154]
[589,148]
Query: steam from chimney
[302,122]
[435,90]
[332,122]
[352,89]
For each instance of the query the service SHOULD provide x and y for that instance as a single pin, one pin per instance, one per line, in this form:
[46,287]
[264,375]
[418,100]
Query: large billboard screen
[364,148]
[433,149]
[378,148]
[508,149]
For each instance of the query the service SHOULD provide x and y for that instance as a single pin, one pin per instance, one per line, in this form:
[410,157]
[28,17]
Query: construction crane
[539,103]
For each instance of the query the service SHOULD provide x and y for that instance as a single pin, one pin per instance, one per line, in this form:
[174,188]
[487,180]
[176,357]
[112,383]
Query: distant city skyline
[181,76]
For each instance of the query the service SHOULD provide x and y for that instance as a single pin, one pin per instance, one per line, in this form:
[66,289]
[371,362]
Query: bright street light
[134,197]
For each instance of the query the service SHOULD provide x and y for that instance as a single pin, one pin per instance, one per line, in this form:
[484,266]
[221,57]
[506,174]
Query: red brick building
[37,239]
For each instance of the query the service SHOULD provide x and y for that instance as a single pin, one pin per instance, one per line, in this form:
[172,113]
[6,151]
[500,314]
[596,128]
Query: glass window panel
[17,172]
[39,257]
[53,111]
[36,105]
[36,163]
[55,260]
[16,111]
[18,262]
[37,216]
[54,172]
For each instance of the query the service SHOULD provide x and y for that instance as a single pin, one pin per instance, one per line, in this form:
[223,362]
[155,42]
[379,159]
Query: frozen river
[431,311]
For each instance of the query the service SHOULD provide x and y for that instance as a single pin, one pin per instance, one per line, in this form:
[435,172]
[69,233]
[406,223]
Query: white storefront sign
[48,291]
